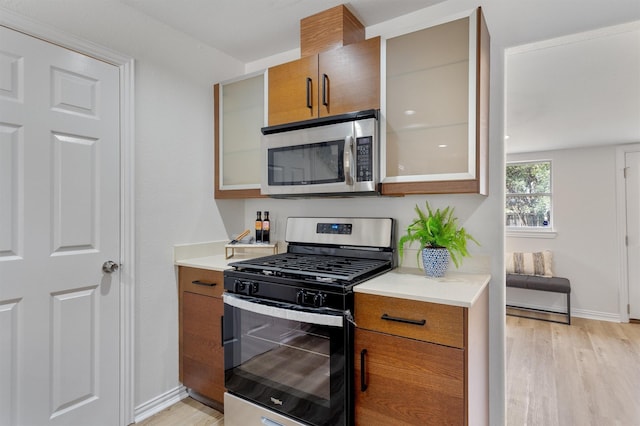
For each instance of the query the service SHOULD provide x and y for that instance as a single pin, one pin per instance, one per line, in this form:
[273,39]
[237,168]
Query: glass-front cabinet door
[435,125]
[240,113]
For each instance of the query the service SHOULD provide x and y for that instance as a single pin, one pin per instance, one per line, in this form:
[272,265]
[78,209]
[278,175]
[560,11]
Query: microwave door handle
[348,157]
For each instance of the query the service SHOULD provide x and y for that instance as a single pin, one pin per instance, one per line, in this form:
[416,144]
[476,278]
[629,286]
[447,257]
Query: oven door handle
[283,310]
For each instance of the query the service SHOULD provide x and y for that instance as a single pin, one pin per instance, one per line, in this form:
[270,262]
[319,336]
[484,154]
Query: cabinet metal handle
[403,320]
[325,90]
[363,381]
[309,84]
[222,330]
[203,283]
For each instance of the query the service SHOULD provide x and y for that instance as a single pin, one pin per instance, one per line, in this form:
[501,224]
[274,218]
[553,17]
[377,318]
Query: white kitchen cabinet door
[240,116]
[434,126]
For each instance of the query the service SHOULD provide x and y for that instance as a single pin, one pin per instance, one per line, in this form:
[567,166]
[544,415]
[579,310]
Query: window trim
[532,231]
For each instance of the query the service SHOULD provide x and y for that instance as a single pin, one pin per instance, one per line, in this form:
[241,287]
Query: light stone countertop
[455,288]
[211,255]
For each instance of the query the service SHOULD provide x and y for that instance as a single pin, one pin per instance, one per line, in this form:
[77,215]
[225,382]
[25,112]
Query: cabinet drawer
[201,281]
[430,322]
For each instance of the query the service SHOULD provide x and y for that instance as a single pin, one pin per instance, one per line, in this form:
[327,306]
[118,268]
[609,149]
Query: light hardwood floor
[587,373]
[187,412]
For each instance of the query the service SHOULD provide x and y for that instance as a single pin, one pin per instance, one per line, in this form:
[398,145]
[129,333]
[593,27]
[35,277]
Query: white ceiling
[562,90]
[255,29]
[574,91]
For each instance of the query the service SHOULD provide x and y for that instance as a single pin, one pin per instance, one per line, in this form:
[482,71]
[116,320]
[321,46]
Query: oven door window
[294,366]
[308,164]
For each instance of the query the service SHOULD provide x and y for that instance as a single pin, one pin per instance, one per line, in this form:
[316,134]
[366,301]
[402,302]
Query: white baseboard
[595,315]
[579,313]
[159,403]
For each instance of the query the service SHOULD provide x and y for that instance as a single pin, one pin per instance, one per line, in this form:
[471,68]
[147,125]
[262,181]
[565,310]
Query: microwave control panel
[364,159]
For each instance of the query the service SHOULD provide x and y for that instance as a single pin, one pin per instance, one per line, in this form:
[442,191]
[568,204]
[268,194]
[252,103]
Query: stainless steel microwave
[328,156]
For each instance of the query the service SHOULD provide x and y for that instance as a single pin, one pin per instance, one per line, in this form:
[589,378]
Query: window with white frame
[528,195]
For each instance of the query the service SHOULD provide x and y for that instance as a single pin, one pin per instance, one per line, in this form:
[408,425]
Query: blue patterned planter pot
[435,261]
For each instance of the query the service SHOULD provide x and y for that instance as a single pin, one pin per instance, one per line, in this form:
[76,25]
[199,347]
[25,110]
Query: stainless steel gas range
[288,329]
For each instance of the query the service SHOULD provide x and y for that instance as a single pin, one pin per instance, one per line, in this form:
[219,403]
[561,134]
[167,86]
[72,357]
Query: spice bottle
[266,226]
[258,227]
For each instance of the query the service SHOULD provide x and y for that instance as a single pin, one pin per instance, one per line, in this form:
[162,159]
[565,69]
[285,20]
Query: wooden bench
[535,282]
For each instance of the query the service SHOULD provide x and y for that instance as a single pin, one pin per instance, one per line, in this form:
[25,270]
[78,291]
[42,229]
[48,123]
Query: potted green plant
[440,238]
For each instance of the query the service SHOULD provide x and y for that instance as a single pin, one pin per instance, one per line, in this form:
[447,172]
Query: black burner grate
[322,267]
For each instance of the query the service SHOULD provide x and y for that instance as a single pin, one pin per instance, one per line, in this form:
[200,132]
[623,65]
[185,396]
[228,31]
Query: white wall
[468,208]
[585,248]
[174,204]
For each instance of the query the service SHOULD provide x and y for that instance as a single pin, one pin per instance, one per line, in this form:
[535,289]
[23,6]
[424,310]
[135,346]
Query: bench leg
[567,314]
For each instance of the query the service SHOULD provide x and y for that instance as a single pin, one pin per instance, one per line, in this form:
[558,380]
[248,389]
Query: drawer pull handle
[403,320]
[363,382]
[204,283]
[309,102]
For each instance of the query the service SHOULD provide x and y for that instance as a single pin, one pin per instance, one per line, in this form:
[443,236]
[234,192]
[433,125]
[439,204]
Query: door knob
[109,266]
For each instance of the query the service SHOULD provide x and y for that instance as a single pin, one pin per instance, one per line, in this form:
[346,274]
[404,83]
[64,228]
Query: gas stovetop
[320,267]
[325,258]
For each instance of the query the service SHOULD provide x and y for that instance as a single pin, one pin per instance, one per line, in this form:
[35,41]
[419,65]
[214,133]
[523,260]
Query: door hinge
[624,172]
[628,308]
[626,240]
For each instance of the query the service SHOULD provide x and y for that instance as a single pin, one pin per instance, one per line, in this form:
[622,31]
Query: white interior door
[632,188]
[59,222]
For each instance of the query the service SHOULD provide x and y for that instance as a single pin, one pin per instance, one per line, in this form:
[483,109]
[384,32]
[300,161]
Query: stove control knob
[252,288]
[300,297]
[238,286]
[318,300]
[245,286]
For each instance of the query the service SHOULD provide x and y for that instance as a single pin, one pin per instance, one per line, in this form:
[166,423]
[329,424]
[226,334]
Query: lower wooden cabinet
[201,315]
[407,382]
[420,363]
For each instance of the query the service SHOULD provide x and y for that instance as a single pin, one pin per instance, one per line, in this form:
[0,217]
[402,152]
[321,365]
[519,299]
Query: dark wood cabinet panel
[200,327]
[293,91]
[201,281]
[443,324]
[350,77]
[329,29]
[431,373]
[337,81]
[202,354]
[408,382]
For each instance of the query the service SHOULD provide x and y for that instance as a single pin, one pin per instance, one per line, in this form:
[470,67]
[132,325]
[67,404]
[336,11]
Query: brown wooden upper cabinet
[436,115]
[339,71]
